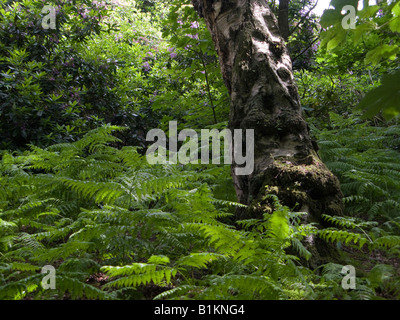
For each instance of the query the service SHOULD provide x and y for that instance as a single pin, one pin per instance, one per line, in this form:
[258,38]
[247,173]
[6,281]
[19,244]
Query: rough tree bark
[257,71]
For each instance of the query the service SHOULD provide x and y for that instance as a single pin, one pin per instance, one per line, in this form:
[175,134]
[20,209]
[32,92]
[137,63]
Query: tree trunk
[257,71]
[283,19]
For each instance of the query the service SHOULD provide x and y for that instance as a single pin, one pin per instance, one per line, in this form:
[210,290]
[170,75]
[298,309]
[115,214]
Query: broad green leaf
[384,51]
[361,30]
[394,25]
[279,224]
[330,17]
[338,39]
[368,12]
[385,98]
[396,9]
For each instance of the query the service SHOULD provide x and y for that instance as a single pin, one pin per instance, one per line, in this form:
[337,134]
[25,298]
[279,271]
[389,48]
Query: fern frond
[383,207]
[139,273]
[229,203]
[334,235]
[106,192]
[198,260]
[78,289]
[63,251]
[4,225]
[21,266]
[243,287]
[98,138]
[29,241]
[387,241]
[221,237]
[346,222]
[179,292]
[300,248]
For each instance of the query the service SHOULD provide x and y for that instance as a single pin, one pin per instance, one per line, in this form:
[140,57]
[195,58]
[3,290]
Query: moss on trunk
[304,183]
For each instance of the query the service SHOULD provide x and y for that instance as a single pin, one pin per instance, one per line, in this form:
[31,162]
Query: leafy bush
[52,90]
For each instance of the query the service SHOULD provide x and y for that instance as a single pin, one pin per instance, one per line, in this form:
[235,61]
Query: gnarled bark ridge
[257,71]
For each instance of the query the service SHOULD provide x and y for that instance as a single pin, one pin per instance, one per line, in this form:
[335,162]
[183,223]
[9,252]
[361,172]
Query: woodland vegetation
[77,193]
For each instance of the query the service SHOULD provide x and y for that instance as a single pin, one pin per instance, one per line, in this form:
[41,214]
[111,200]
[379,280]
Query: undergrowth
[115,227]
[365,157]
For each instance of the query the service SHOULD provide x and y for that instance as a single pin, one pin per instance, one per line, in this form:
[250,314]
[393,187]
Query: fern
[137,274]
[97,212]
[21,266]
[347,236]
[344,236]
[387,242]
[301,249]
[242,287]
[198,260]
[18,289]
[349,222]
[366,162]
[98,191]
[180,292]
[78,289]
[365,159]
